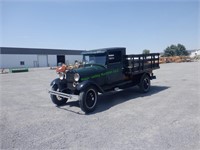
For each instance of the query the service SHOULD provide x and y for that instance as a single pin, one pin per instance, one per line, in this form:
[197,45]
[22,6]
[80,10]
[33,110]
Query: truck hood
[89,70]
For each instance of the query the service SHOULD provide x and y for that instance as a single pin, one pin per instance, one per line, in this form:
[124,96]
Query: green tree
[146,51]
[169,51]
[181,50]
[174,50]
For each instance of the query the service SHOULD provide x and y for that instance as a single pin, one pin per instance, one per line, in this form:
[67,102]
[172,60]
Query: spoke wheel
[57,99]
[88,99]
[145,83]
[91,98]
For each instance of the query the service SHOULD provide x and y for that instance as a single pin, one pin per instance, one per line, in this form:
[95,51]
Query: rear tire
[88,99]
[145,83]
[59,101]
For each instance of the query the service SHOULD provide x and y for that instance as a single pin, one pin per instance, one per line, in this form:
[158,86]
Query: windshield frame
[103,55]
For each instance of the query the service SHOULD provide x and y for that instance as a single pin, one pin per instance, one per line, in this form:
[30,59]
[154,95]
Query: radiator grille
[70,77]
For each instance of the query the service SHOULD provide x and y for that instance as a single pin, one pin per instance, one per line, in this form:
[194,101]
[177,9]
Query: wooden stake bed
[135,64]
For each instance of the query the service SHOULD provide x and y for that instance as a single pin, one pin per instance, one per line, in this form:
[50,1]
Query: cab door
[114,66]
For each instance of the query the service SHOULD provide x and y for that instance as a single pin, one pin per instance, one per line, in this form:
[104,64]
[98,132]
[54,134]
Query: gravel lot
[168,117]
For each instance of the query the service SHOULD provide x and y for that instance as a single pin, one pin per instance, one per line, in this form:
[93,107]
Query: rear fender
[146,73]
[150,74]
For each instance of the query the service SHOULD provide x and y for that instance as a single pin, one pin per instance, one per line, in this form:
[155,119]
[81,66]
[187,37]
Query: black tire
[145,83]
[59,101]
[88,99]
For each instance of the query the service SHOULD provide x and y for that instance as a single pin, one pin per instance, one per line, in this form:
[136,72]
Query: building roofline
[44,51]
[38,48]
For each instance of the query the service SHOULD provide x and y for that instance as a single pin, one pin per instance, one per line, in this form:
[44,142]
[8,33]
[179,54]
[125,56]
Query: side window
[114,57]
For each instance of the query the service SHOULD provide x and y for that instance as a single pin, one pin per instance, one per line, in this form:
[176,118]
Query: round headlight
[61,75]
[76,77]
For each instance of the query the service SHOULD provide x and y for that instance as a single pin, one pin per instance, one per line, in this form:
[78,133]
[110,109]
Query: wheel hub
[146,84]
[90,99]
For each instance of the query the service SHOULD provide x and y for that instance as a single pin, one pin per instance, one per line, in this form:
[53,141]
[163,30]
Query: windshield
[94,59]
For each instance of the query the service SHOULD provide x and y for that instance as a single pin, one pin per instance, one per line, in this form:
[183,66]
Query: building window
[22,63]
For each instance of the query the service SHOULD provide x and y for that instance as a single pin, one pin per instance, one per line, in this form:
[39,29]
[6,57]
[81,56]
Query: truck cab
[110,59]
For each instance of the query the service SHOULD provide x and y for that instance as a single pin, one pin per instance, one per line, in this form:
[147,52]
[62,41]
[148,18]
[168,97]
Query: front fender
[56,81]
[81,86]
[62,84]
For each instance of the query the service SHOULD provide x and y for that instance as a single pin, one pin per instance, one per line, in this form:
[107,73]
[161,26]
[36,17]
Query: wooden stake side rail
[135,64]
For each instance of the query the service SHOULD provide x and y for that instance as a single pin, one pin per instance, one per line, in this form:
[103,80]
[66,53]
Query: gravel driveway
[168,117]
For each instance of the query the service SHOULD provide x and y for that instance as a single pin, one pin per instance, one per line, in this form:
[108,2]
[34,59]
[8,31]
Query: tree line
[173,50]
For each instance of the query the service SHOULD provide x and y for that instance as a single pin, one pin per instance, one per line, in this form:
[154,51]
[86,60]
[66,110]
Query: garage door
[42,60]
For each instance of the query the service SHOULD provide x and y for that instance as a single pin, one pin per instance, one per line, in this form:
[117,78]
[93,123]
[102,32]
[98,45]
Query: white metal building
[195,53]
[32,57]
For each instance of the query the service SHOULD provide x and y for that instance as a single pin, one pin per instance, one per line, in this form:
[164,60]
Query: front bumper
[64,95]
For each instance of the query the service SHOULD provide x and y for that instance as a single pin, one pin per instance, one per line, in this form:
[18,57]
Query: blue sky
[136,25]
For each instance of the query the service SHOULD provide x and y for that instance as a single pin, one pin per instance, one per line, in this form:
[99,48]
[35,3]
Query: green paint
[96,76]
[116,70]
[106,73]
[83,79]
[100,75]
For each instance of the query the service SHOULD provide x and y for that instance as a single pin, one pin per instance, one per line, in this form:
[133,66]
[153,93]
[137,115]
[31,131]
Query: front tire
[145,83]
[59,101]
[88,99]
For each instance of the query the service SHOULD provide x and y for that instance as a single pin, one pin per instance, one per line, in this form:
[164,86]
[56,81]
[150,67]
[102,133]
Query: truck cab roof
[104,50]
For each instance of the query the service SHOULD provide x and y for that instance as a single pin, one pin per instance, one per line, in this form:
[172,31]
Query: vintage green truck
[103,70]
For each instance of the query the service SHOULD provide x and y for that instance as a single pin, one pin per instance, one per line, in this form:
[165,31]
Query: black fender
[143,74]
[151,76]
[147,73]
[81,86]
[60,83]
[56,81]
